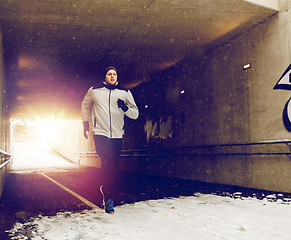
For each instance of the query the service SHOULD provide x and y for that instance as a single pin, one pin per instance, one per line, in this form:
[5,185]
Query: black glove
[121,104]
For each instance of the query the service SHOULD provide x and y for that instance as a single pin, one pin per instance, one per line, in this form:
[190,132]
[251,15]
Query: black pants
[109,150]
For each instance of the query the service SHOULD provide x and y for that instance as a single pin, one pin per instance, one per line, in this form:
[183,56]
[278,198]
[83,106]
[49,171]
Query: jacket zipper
[110,114]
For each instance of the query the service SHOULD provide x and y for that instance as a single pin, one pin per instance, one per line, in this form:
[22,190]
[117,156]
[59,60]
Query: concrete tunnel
[202,74]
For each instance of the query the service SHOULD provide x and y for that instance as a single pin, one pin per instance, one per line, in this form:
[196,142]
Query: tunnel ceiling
[55,50]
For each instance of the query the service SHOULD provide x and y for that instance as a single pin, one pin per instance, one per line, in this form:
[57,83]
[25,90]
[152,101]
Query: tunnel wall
[4,113]
[70,143]
[211,105]
[4,124]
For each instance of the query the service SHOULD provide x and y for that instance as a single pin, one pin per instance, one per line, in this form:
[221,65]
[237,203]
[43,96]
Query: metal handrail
[204,154]
[6,157]
[4,153]
[86,154]
[220,145]
[174,151]
[4,164]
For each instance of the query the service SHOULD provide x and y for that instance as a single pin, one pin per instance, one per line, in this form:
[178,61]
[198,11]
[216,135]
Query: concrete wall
[273,4]
[70,143]
[212,100]
[4,113]
[4,124]
[284,5]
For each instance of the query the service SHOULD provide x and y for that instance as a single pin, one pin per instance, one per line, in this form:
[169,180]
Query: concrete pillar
[4,113]
[4,124]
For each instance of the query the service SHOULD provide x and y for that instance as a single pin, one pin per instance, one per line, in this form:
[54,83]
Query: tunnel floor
[27,194]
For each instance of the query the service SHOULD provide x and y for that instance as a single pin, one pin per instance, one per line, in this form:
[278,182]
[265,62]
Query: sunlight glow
[31,148]
[48,128]
[42,129]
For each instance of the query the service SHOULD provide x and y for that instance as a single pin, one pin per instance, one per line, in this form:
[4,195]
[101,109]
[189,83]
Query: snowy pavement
[37,155]
[202,216]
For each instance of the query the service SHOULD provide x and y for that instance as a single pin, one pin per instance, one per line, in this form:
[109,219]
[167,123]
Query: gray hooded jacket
[101,105]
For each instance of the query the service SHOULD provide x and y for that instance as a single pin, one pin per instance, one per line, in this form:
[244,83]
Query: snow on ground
[36,155]
[202,217]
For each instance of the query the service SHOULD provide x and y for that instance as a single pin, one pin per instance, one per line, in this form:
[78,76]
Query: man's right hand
[86,129]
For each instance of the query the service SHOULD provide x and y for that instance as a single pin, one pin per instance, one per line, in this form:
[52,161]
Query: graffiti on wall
[158,130]
[285,84]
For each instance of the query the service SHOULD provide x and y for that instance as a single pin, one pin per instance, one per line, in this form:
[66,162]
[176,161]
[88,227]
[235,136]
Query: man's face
[111,77]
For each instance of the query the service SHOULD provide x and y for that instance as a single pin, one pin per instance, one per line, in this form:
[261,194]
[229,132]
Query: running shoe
[109,207]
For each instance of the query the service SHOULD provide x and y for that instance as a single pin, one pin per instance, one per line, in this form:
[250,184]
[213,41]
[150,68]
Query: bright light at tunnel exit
[37,130]
[48,129]
[32,141]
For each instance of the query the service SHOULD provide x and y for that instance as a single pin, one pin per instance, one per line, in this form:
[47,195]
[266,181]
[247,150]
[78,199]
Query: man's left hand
[121,104]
